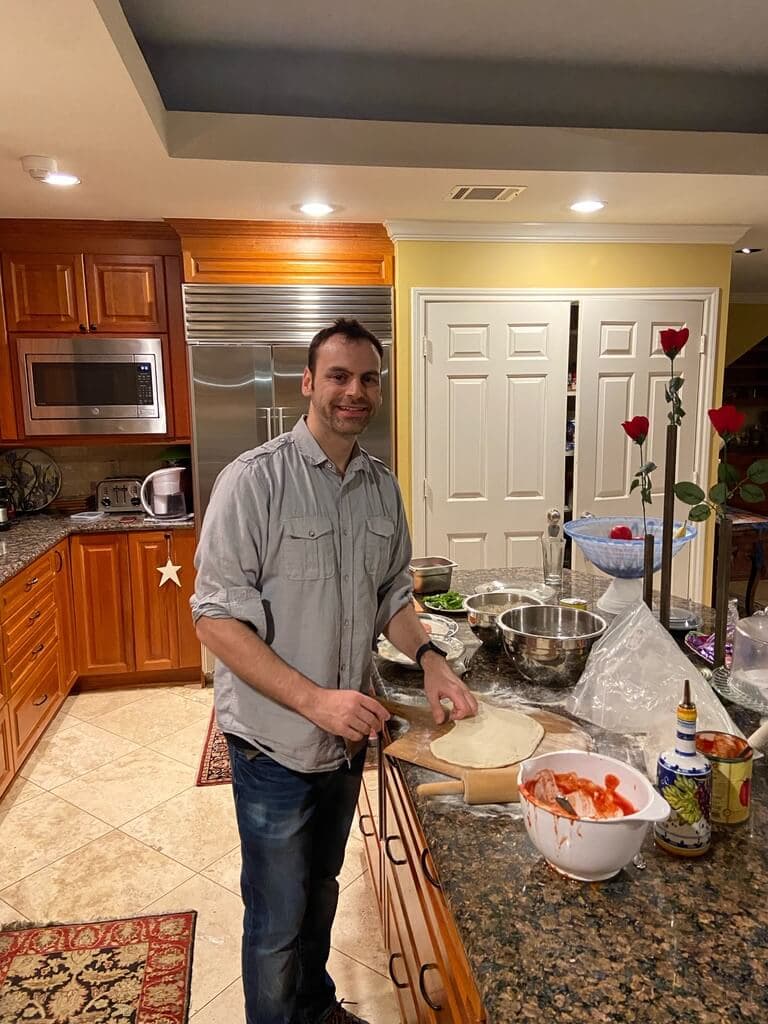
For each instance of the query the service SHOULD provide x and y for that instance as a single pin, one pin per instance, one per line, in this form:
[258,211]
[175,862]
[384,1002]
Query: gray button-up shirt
[317,564]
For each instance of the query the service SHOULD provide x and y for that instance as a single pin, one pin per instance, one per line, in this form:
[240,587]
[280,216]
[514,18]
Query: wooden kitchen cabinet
[102,597]
[184,545]
[427,962]
[155,608]
[126,294]
[7,766]
[70,292]
[44,291]
[65,615]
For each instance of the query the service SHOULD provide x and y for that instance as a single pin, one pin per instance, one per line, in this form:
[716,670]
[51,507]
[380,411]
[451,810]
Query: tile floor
[105,820]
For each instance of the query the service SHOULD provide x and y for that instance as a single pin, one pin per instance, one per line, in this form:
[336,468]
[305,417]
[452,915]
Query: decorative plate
[703,644]
[437,627]
[727,686]
[33,476]
[452,646]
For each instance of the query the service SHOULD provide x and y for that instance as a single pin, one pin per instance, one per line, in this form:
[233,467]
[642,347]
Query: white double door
[494,415]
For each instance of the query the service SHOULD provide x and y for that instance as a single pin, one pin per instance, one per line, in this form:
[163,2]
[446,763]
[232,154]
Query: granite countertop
[32,535]
[676,941]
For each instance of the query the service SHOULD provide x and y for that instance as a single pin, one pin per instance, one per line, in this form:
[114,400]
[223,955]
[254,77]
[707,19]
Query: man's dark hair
[352,330]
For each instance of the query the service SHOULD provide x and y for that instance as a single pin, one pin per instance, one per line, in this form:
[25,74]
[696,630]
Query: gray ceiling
[687,65]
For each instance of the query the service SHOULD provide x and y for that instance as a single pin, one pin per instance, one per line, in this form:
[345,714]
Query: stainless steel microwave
[73,385]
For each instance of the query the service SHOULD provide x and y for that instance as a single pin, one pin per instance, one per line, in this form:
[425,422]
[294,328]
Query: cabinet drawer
[29,622]
[32,708]
[25,586]
[400,966]
[28,657]
[368,825]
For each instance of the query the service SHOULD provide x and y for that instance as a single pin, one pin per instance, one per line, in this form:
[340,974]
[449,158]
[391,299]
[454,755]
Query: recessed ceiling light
[587,206]
[746,251]
[46,170]
[316,209]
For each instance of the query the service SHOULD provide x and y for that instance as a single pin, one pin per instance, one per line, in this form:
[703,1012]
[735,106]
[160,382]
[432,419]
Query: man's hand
[347,713]
[439,682]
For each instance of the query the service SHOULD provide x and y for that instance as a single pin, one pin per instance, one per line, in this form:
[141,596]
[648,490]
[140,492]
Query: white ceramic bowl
[582,848]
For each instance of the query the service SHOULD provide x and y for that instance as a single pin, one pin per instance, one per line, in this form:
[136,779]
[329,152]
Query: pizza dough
[495,737]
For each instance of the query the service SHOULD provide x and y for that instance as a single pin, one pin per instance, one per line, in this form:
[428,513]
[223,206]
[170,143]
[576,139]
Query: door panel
[155,625]
[125,293]
[102,598]
[44,291]
[622,373]
[495,427]
[231,399]
[184,544]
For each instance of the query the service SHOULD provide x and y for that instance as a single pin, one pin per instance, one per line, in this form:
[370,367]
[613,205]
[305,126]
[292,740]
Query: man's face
[345,390]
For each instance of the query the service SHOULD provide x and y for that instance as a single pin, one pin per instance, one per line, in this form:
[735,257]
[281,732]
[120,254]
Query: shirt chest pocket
[308,548]
[378,541]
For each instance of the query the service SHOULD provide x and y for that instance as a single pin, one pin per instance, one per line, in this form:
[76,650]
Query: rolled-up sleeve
[228,559]
[396,591]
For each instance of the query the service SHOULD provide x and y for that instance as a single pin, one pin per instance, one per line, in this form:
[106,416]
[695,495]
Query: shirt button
[346,577]
[346,622]
[311,533]
[345,532]
[342,666]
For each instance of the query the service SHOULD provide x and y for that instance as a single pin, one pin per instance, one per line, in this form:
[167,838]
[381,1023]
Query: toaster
[119,494]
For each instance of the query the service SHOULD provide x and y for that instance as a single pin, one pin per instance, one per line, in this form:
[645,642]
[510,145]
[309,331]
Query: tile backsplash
[83,467]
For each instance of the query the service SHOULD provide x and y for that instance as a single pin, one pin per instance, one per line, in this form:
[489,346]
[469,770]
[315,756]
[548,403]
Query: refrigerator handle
[268,421]
[280,415]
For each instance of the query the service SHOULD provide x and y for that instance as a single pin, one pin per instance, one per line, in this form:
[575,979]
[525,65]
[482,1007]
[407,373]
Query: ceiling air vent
[486,193]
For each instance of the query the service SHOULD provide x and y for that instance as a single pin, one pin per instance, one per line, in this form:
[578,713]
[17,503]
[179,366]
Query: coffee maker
[162,494]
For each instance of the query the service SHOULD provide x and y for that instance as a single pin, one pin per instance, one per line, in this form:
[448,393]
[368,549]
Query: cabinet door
[125,293]
[155,622]
[102,599]
[65,615]
[44,291]
[184,544]
[6,751]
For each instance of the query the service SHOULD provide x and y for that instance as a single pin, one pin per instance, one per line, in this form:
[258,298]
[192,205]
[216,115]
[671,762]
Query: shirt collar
[307,444]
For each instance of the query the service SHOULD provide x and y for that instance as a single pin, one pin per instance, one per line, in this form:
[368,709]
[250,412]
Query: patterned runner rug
[136,970]
[214,764]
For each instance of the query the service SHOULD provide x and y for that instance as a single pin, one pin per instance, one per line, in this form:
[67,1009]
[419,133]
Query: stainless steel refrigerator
[247,347]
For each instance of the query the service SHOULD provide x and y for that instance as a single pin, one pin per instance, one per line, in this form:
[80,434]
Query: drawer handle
[360,821]
[437,1007]
[35,615]
[391,969]
[32,582]
[427,873]
[60,561]
[394,860]
[36,650]
[39,703]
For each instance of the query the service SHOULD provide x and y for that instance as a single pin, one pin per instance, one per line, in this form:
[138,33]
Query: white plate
[452,646]
[438,627]
[435,608]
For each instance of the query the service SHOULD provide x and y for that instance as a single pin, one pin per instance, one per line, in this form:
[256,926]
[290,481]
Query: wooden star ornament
[169,571]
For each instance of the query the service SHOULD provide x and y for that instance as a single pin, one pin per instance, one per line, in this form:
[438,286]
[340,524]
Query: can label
[731,775]
[574,602]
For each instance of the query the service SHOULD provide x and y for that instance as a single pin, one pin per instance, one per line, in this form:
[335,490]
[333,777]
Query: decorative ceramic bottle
[684,778]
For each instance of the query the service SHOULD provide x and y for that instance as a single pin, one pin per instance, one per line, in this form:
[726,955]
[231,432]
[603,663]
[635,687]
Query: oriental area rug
[214,767]
[135,970]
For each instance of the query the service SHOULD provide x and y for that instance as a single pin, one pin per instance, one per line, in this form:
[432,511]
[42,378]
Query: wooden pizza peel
[477,785]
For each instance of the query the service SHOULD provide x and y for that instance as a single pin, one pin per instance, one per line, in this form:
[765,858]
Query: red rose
[727,420]
[672,341]
[637,428]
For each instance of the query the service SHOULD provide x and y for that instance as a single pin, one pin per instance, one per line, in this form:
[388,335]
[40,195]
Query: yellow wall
[747,324]
[543,265]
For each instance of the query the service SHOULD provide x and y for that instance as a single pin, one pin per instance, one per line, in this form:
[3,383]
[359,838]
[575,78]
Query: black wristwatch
[428,646]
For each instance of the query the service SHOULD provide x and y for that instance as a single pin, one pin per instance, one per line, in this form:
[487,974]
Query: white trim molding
[659,234]
[421,297]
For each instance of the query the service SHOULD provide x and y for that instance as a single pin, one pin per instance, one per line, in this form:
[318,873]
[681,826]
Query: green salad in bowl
[450,601]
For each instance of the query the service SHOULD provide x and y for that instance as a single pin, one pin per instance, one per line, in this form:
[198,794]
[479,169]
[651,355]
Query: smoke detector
[46,169]
[486,193]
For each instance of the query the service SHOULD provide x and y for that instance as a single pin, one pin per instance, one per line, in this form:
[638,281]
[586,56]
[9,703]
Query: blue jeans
[293,831]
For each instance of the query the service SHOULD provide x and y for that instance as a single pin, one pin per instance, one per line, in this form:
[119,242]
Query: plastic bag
[633,682]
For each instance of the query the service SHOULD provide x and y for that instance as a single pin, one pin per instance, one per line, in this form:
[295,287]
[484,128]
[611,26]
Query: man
[302,562]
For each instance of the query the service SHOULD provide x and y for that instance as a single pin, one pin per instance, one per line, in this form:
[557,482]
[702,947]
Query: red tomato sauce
[607,801]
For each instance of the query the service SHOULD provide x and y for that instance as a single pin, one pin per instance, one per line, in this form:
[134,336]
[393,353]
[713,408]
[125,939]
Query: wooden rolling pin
[478,786]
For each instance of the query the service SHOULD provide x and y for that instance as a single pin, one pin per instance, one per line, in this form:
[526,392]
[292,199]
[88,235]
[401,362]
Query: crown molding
[748,298]
[660,234]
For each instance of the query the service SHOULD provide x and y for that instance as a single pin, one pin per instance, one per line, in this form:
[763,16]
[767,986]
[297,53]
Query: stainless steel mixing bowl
[549,645]
[483,611]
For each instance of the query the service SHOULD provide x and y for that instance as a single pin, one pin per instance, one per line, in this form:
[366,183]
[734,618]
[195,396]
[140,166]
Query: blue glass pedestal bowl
[622,559]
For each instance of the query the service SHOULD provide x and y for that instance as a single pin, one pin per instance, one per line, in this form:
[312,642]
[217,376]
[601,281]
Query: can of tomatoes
[731,760]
